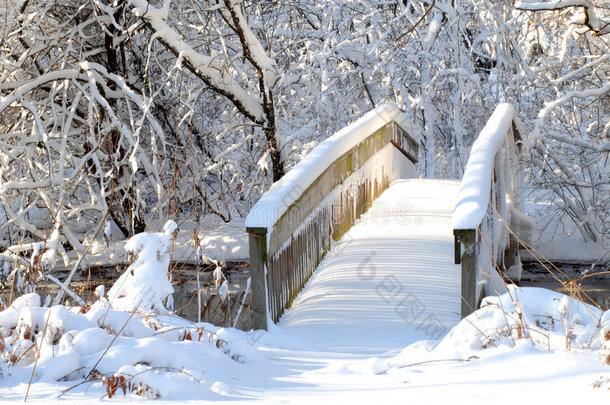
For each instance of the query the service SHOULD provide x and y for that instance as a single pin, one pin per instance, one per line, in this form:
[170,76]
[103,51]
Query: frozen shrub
[144,285]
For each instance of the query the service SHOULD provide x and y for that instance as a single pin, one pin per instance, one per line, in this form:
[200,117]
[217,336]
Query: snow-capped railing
[291,226]
[486,201]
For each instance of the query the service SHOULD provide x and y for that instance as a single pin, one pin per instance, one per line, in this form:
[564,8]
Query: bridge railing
[488,200]
[293,224]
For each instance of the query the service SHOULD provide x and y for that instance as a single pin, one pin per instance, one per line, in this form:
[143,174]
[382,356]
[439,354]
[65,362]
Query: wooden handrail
[291,226]
[487,197]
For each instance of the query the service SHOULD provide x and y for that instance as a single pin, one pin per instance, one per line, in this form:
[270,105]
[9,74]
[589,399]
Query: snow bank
[527,344]
[548,319]
[93,354]
[223,242]
[473,196]
[542,319]
[127,343]
[274,203]
[155,356]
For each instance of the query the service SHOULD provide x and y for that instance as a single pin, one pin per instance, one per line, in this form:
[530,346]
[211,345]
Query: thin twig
[62,286]
[432,361]
[410,30]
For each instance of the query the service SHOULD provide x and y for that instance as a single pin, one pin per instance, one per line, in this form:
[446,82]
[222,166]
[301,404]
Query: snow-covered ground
[527,345]
[530,344]
[219,241]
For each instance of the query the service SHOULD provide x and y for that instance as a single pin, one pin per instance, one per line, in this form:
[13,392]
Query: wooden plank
[405,143]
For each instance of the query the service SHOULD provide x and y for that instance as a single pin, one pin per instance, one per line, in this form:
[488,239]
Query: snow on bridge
[390,280]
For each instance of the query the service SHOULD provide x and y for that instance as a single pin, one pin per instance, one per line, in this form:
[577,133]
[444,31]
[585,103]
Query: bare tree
[133,111]
[74,132]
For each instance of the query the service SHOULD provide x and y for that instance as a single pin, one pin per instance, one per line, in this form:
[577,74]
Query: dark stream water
[596,284]
[184,280]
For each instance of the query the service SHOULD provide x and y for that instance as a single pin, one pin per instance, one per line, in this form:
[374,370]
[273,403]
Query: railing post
[258,259]
[466,238]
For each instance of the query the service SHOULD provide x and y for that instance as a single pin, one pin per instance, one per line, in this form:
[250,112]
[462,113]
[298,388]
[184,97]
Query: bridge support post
[465,246]
[258,258]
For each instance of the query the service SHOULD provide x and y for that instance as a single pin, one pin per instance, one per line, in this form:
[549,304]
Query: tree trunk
[122,202]
[277,165]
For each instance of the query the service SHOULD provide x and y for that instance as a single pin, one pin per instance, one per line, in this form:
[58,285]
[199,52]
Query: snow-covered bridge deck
[390,280]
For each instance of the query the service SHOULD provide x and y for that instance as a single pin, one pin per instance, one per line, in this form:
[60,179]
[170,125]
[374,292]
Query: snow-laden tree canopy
[125,112]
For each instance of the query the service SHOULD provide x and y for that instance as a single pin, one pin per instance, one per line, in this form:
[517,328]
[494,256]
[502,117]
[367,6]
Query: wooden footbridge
[373,244]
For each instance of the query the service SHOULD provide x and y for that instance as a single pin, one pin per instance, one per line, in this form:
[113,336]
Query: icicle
[107,232]
[223,291]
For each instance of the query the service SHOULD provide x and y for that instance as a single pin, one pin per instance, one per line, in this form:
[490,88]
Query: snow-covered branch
[19,92]
[253,49]
[214,73]
[588,93]
[589,18]
[594,63]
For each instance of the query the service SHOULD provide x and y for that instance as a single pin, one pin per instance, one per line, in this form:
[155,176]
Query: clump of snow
[144,285]
[217,275]
[223,291]
[108,232]
[37,250]
[49,257]
[26,300]
[100,292]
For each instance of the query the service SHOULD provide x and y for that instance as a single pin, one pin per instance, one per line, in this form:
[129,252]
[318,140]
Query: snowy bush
[144,285]
[539,318]
[516,322]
